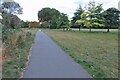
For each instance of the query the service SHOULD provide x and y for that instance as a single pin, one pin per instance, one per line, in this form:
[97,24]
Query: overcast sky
[31,7]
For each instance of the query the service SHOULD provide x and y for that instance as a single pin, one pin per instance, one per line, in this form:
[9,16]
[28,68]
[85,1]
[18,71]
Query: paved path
[48,60]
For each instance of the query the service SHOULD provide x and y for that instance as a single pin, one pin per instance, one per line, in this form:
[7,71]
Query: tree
[44,15]
[53,22]
[63,20]
[12,7]
[49,15]
[80,23]
[25,24]
[67,26]
[9,19]
[77,16]
[54,18]
[111,17]
[92,16]
[8,11]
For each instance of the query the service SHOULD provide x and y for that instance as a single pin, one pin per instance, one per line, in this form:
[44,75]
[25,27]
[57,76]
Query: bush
[18,45]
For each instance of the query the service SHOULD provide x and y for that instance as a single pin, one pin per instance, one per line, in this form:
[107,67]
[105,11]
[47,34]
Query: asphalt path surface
[48,60]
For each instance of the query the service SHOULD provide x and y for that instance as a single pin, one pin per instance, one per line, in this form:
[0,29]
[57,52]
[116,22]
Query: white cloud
[31,7]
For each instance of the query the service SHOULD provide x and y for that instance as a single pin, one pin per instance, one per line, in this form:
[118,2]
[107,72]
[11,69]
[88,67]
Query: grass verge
[13,66]
[97,52]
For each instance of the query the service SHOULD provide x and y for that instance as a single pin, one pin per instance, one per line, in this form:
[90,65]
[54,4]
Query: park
[56,46]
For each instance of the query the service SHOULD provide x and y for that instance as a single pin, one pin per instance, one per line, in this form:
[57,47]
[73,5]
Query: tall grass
[16,48]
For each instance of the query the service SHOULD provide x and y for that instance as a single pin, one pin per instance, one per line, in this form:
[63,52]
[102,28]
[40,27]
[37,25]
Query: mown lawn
[15,64]
[97,52]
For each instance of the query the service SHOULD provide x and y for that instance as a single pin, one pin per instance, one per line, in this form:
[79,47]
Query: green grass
[97,52]
[13,67]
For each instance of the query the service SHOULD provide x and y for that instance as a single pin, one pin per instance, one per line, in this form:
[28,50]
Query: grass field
[97,51]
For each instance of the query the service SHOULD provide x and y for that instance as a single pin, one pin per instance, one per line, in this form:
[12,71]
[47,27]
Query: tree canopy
[111,16]
[92,16]
[77,14]
[12,7]
[8,11]
[95,16]
[54,18]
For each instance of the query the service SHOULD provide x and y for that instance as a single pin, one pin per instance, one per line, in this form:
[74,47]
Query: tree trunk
[67,29]
[90,28]
[108,29]
[79,28]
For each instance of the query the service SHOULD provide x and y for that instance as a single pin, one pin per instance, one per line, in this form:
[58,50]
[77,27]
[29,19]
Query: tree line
[92,16]
[52,18]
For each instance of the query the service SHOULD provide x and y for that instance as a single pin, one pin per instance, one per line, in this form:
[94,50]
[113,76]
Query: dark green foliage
[10,21]
[93,16]
[77,16]
[53,17]
[24,24]
[63,20]
[45,14]
[111,17]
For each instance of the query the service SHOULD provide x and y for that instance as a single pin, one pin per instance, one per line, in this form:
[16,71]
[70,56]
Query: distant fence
[102,27]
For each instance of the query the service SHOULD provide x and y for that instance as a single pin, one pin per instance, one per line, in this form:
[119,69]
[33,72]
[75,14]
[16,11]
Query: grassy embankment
[19,45]
[97,51]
